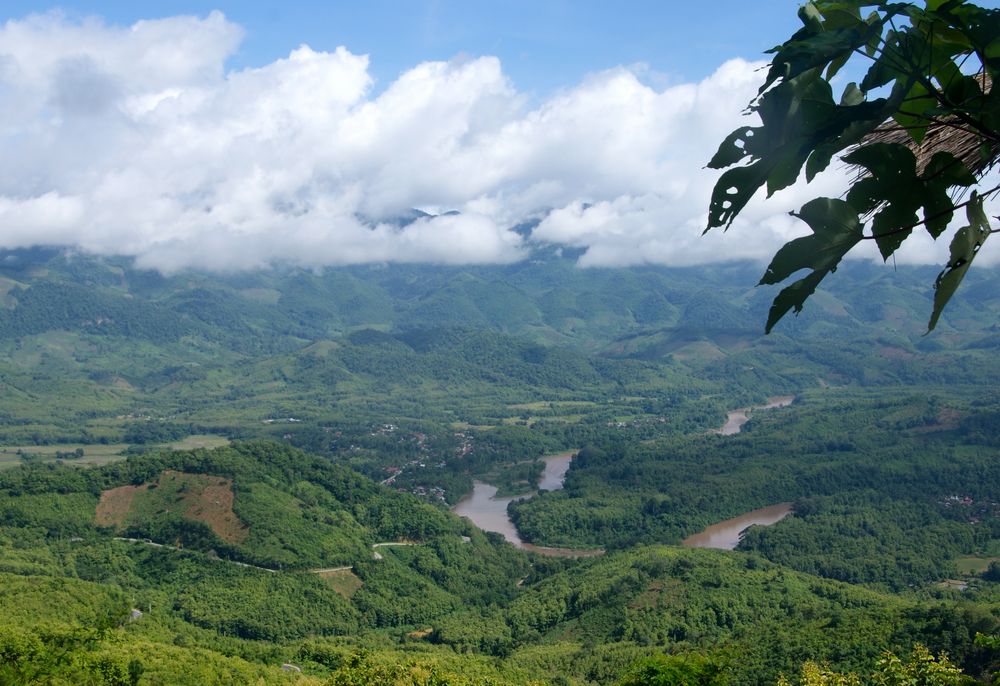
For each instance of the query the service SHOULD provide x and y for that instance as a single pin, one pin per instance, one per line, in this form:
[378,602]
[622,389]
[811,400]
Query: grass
[6,285]
[953,584]
[93,455]
[533,419]
[199,441]
[970,565]
[553,405]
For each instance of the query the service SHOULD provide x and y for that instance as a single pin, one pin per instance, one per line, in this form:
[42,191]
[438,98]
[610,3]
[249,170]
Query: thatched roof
[949,135]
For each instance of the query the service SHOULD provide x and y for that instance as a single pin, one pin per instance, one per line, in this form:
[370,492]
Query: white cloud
[136,141]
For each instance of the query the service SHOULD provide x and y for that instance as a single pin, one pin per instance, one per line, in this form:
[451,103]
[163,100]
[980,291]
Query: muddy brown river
[737,418]
[489,513]
[726,535]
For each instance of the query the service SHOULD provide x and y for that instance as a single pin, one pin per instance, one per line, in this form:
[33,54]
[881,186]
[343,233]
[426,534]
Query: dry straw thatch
[949,134]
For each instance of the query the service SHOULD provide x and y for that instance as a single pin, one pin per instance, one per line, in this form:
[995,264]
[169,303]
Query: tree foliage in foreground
[922,127]
[923,669]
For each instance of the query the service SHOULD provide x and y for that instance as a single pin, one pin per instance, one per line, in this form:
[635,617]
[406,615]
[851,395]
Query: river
[737,418]
[726,535]
[555,470]
[489,513]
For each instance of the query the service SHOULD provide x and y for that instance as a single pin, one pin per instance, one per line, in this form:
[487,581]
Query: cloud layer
[137,141]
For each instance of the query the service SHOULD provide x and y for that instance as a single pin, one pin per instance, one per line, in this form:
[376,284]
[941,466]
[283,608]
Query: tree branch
[942,213]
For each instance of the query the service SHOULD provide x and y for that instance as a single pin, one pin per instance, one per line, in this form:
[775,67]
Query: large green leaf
[836,229]
[862,118]
[892,187]
[733,191]
[793,296]
[943,173]
[895,191]
[964,248]
[733,149]
[914,115]
[888,66]
[821,43]
[796,116]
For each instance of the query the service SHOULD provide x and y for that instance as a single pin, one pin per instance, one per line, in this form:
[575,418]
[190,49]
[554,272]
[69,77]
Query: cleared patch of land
[6,285]
[974,564]
[116,504]
[531,420]
[200,497]
[953,585]
[95,454]
[465,426]
[343,581]
[199,441]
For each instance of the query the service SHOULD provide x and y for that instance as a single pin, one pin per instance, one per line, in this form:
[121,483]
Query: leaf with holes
[733,191]
[964,248]
[732,150]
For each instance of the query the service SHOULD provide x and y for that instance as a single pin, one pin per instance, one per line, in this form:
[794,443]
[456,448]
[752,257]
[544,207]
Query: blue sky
[542,45]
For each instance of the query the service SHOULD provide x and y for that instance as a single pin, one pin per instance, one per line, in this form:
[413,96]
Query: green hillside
[344,412]
[586,623]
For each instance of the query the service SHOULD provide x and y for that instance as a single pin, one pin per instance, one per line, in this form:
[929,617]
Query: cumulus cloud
[137,141]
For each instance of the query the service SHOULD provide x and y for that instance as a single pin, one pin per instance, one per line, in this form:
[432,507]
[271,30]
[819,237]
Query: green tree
[692,669]
[992,572]
[922,669]
[922,127]
[64,655]
[361,669]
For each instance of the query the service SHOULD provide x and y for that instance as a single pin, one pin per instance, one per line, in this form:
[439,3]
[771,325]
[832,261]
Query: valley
[735,419]
[493,475]
[488,512]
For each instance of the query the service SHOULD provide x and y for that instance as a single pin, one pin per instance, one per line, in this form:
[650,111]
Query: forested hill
[181,566]
[547,299]
[86,341]
[262,509]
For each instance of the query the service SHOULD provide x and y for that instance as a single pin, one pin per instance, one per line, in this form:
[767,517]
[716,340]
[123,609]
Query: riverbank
[726,535]
[489,512]
[735,419]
